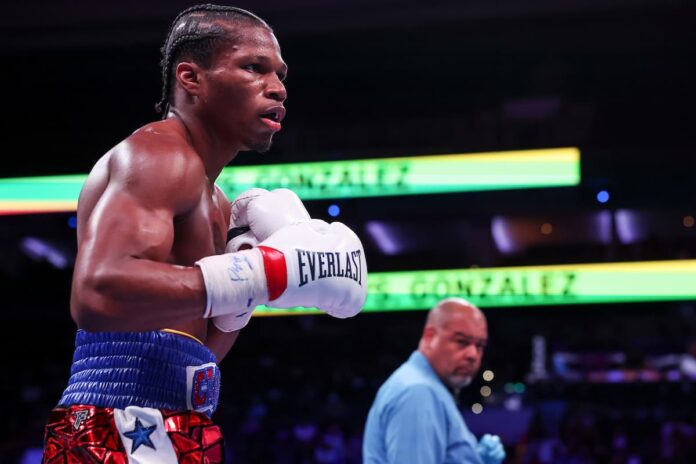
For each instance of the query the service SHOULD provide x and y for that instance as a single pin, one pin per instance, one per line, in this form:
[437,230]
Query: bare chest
[202,232]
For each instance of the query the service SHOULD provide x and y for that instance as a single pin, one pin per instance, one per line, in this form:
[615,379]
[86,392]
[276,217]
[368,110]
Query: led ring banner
[566,284]
[555,167]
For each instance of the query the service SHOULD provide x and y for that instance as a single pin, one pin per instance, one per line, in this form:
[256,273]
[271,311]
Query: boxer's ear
[188,75]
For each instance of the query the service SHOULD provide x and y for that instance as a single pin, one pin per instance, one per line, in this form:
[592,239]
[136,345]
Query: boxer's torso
[197,232]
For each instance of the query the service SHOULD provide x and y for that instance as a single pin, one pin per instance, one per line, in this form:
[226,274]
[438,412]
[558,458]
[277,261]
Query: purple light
[38,249]
[501,235]
[615,376]
[386,237]
[630,227]
[603,222]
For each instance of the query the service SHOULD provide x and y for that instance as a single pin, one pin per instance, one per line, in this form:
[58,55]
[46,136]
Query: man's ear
[188,75]
[429,333]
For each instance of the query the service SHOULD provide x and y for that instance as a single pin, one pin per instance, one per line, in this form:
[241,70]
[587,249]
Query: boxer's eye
[253,67]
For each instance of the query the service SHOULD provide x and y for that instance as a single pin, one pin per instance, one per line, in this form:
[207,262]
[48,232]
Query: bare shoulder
[158,165]
[224,203]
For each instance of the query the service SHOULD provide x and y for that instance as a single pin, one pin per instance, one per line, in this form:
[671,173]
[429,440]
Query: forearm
[137,294]
[220,342]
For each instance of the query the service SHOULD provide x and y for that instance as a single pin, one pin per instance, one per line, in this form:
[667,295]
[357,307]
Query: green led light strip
[556,167]
[566,284]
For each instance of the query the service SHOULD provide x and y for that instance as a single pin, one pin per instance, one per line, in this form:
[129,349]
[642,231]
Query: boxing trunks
[137,397]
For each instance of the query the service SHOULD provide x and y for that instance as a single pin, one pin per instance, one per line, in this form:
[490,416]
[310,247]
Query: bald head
[453,341]
[441,315]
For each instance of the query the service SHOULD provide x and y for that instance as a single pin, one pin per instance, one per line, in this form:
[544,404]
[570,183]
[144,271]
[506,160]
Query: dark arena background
[588,363]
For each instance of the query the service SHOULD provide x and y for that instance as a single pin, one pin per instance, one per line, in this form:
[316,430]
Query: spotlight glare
[603,196]
[334,210]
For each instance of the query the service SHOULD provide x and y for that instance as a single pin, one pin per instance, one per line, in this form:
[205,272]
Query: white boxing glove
[311,264]
[239,235]
[326,268]
[256,214]
[267,212]
[240,238]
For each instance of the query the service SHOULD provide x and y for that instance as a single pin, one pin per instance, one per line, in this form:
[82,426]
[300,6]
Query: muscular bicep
[124,225]
[124,275]
[132,214]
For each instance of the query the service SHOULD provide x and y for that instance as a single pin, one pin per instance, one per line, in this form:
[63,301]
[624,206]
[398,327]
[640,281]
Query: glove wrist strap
[235,283]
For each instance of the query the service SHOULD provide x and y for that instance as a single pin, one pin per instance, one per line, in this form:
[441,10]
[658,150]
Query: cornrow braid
[195,34]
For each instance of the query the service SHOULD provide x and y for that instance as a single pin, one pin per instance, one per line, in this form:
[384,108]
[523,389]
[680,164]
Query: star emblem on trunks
[140,435]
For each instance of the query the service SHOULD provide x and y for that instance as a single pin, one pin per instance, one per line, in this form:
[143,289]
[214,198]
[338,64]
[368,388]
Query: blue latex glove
[490,449]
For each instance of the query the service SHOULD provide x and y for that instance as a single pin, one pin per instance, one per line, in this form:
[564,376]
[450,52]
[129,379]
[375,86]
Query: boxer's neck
[215,152]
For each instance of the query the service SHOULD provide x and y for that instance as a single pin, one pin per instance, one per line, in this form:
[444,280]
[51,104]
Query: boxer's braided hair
[195,34]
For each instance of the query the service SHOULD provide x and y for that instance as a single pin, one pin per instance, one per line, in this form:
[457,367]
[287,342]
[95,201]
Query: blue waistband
[149,369]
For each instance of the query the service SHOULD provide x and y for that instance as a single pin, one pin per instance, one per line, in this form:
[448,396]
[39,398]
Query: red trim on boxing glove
[276,271]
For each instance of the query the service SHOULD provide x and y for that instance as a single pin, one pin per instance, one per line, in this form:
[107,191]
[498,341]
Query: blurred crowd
[308,405]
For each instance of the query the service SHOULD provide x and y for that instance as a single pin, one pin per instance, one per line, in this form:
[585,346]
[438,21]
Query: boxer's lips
[272,117]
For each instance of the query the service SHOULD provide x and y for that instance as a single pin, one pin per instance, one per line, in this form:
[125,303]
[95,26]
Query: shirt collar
[419,360]
[421,363]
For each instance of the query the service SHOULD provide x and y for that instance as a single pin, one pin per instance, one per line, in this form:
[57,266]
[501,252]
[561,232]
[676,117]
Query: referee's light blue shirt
[414,420]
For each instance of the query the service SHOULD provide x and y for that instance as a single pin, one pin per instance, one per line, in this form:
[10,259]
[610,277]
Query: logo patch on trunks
[80,416]
[202,387]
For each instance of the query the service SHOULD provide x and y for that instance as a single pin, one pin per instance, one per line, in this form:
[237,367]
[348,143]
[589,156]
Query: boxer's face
[244,94]
[456,349]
